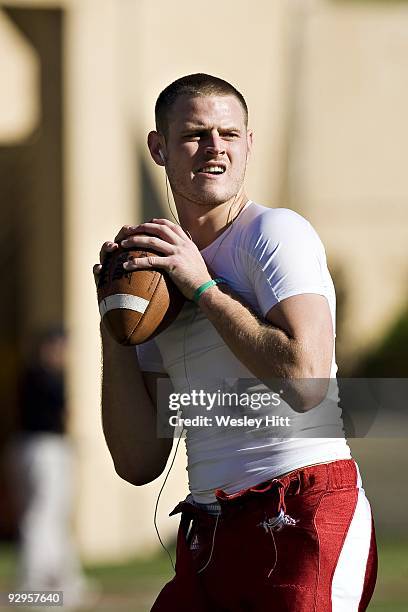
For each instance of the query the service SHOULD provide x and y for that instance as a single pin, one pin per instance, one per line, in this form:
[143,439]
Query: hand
[181,258]
[109,247]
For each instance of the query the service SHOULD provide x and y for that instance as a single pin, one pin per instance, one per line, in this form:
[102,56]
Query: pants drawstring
[271,524]
[276,523]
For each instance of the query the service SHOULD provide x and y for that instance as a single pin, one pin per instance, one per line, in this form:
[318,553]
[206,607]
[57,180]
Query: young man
[272,523]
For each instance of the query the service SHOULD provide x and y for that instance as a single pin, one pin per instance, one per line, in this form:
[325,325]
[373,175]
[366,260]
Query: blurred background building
[327,87]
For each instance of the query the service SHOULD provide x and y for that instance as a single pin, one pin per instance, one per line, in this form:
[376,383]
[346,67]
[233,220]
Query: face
[207,148]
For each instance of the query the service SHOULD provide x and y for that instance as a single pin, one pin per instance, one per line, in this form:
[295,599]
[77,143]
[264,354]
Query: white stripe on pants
[348,578]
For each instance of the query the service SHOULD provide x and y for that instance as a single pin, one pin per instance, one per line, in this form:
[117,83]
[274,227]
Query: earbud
[162,156]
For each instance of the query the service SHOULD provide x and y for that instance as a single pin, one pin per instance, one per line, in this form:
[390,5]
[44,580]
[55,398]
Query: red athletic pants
[322,559]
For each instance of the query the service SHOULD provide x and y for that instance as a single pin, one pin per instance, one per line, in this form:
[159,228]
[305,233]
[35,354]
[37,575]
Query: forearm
[128,415]
[267,352]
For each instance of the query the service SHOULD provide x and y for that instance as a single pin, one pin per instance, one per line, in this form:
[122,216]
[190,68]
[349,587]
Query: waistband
[213,508]
[332,475]
[339,474]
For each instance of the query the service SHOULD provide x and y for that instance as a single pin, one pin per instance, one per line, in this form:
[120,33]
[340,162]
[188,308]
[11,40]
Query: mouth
[211,170]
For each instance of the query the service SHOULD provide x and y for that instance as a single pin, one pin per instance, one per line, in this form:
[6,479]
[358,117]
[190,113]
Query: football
[136,305]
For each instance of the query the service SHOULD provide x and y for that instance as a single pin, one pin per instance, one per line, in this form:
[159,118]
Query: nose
[215,144]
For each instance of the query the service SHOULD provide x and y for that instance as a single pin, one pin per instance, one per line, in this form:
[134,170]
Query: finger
[161,230]
[148,242]
[174,226]
[96,271]
[107,247]
[144,263]
[124,232]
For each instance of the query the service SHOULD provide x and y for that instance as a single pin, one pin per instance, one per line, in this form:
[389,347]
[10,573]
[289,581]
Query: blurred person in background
[42,464]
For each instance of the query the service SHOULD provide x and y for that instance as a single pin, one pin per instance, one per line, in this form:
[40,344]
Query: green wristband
[198,292]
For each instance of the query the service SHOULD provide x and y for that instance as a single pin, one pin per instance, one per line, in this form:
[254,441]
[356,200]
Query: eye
[194,135]
[230,135]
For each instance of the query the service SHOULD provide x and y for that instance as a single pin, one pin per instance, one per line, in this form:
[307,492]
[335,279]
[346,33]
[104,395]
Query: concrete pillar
[114,519]
[99,199]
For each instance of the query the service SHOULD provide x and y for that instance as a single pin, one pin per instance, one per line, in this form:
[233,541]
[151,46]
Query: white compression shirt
[266,256]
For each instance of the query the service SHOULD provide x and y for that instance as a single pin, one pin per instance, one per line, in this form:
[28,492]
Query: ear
[250,142]
[155,142]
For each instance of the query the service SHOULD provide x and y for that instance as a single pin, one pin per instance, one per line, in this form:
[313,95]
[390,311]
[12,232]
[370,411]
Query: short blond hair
[193,85]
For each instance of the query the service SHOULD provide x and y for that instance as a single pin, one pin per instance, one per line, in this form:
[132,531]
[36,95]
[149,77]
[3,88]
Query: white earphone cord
[188,381]
[158,498]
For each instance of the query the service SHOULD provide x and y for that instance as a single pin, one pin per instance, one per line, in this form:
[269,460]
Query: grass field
[132,587]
